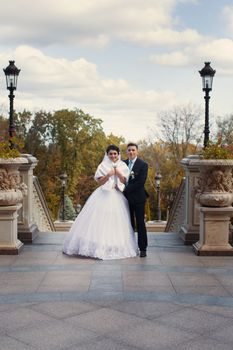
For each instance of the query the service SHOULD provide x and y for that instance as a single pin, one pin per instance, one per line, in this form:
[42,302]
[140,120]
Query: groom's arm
[139,180]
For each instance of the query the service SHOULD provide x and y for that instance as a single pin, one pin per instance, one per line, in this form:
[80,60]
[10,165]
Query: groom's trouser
[137,213]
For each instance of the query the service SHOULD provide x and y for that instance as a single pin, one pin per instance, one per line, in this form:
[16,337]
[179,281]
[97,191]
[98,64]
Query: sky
[123,61]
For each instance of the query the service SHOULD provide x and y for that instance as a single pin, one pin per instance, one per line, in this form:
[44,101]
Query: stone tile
[225,280]
[102,344]
[151,259]
[193,320]
[53,336]
[179,259]
[145,309]
[192,279]
[62,288]
[21,277]
[103,321]
[216,261]
[32,258]
[63,309]
[64,277]
[65,281]
[8,343]
[218,310]
[229,289]
[106,287]
[224,334]
[97,280]
[18,288]
[10,307]
[148,335]
[63,259]
[202,290]
[150,288]
[149,278]
[7,260]
[205,344]
[22,317]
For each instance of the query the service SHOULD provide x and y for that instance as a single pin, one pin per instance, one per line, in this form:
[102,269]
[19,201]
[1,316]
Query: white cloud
[228,15]
[220,51]
[54,83]
[92,23]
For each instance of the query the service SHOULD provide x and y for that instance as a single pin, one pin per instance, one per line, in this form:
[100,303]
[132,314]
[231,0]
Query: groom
[136,194]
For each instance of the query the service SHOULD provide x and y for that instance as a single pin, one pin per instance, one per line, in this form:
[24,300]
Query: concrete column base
[9,242]
[27,227]
[156,226]
[63,226]
[27,234]
[214,232]
[188,234]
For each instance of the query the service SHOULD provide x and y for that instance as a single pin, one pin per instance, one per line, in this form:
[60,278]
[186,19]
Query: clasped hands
[114,171]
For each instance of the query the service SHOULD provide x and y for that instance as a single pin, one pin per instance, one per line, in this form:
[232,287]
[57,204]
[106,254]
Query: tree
[182,130]
[69,211]
[225,129]
[158,157]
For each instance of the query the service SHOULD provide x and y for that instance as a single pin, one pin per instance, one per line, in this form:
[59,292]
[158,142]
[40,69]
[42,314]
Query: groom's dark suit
[136,195]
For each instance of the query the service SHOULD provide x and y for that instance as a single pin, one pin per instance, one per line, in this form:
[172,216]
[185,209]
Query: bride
[103,228]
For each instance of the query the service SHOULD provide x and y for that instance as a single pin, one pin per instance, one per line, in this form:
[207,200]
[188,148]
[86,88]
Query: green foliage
[68,141]
[217,151]
[69,211]
[6,151]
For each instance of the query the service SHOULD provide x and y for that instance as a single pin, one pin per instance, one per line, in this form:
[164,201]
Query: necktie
[130,165]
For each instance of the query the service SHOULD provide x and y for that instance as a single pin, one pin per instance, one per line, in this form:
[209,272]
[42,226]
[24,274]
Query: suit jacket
[134,190]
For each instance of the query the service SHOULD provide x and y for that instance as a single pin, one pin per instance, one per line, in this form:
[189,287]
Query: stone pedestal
[156,226]
[214,231]
[189,231]
[27,228]
[9,243]
[63,226]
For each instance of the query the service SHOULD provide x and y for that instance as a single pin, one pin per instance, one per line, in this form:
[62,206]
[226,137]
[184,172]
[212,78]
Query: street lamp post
[11,73]
[158,178]
[207,74]
[63,178]
[78,208]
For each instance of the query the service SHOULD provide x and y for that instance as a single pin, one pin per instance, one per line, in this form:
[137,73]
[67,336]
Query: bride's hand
[120,176]
[111,172]
[118,173]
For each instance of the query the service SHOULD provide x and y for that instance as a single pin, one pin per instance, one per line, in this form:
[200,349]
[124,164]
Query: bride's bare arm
[103,179]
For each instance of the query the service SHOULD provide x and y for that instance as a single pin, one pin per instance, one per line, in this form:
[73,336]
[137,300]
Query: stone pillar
[27,228]
[214,231]
[9,242]
[189,231]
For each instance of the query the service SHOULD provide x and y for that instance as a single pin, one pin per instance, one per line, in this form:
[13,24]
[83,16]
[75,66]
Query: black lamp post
[207,74]
[78,208]
[63,178]
[158,178]
[11,73]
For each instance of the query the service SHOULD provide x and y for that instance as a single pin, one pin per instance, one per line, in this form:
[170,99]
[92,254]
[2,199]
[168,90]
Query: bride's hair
[112,147]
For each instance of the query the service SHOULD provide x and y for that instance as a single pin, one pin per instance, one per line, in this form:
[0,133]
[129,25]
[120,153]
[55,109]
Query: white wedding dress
[103,228]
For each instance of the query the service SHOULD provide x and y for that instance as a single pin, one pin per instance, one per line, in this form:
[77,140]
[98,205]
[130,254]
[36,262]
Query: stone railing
[176,215]
[41,214]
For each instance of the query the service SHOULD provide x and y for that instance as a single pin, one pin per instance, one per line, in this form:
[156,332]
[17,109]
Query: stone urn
[12,189]
[215,182]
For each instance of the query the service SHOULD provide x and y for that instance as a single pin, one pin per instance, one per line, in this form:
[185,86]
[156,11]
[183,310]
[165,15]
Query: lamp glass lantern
[63,178]
[11,73]
[158,177]
[207,73]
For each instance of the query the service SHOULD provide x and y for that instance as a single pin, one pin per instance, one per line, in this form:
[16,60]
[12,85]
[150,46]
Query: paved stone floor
[171,299]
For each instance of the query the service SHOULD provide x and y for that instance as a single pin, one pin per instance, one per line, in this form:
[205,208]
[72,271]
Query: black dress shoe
[142,253]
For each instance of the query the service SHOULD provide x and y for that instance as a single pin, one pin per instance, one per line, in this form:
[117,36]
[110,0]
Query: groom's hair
[132,144]
[112,147]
